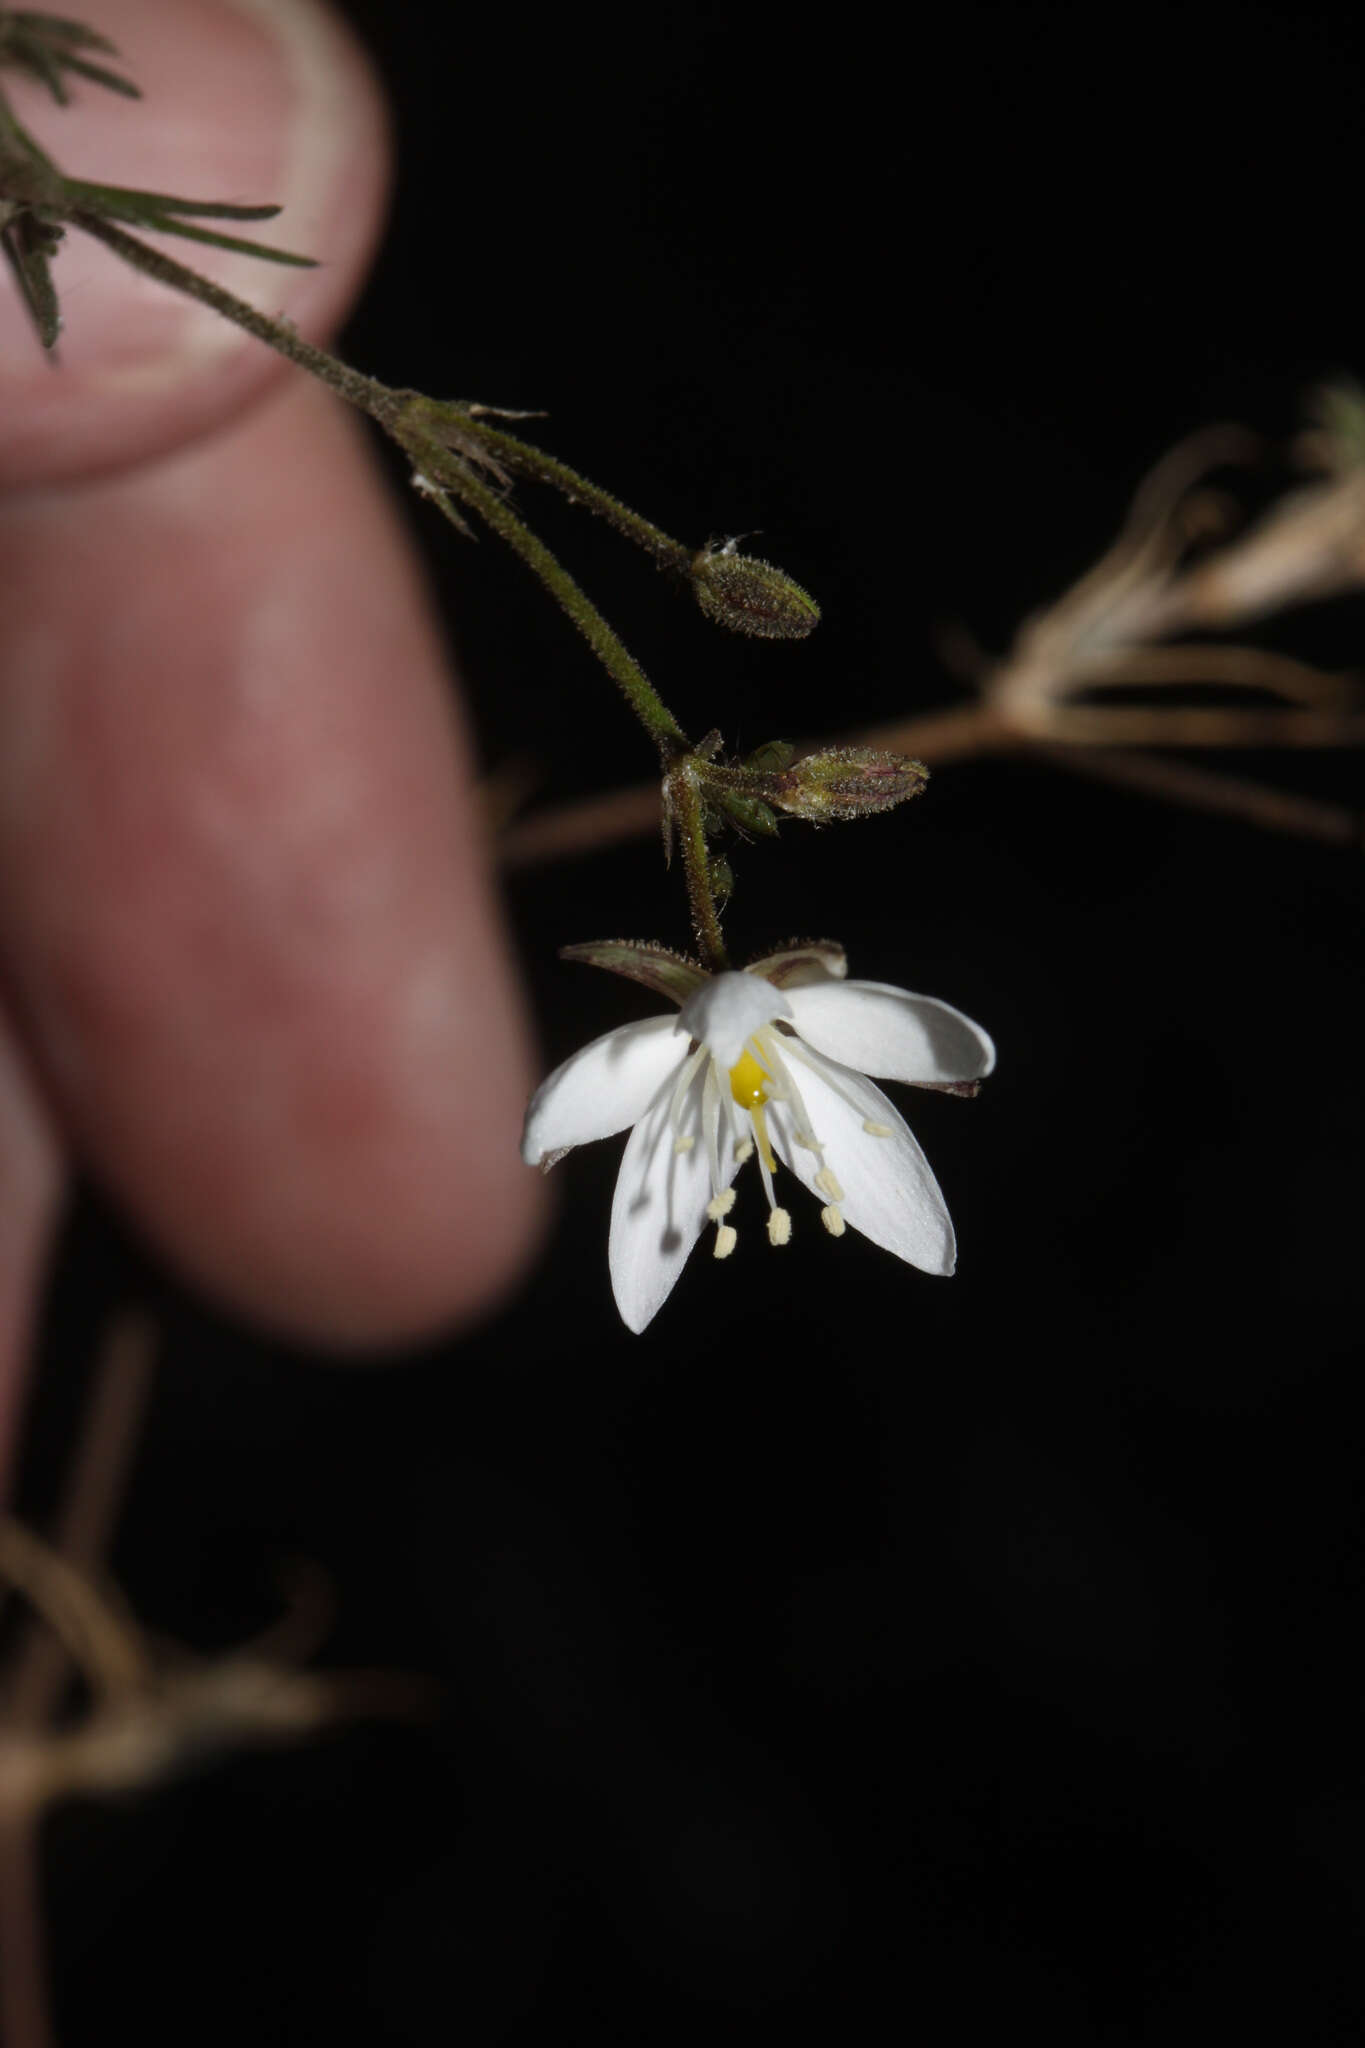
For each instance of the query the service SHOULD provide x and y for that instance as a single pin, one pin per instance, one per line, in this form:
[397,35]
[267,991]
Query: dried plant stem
[1116,726]
[24,2014]
[978,729]
[93,1492]
[1206,789]
[623,814]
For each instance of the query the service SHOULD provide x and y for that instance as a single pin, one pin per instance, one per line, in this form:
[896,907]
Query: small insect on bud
[845,782]
[771,758]
[722,879]
[750,596]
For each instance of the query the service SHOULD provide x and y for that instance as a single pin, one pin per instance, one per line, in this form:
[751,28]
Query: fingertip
[243,886]
[250,101]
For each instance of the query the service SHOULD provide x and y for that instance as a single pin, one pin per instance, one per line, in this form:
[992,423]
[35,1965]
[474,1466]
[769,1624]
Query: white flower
[772,1064]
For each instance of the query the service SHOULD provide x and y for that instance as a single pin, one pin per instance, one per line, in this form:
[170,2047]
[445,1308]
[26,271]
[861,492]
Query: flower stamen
[710,1123]
[765,1151]
[686,1075]
[803,1132]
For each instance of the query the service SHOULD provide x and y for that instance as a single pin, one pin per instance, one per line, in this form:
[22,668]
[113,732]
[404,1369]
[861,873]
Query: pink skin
[251,974]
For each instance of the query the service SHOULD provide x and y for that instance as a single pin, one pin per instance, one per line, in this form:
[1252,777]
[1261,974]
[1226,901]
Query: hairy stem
[529,461]
[434,463]
[685,802]
[366,393]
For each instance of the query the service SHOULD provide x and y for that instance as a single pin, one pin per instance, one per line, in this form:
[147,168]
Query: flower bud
[750,596]
[845,782]
[749,812]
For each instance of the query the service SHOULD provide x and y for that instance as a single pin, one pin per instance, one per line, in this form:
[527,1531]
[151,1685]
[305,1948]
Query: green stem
[29,174]
[581,490]
[391,410]
[367,393]
[433,462]
[683,794]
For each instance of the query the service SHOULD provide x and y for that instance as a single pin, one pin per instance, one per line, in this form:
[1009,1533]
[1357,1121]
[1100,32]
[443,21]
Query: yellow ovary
[748,1082]
[749,1085]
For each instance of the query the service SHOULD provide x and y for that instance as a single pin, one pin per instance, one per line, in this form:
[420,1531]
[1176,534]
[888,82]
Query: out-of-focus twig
[1197,788]
[150,1713]
[92,1494]
[155,1714]
[600,821]
[1174,568]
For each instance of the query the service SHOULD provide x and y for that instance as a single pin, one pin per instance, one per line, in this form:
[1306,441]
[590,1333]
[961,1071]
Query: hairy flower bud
[750,596]
[845,782]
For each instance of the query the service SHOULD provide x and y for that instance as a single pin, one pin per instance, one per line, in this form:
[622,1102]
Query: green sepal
[659,968]
[801,962]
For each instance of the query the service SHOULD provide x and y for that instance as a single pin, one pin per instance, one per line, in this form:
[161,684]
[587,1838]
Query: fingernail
[249,101]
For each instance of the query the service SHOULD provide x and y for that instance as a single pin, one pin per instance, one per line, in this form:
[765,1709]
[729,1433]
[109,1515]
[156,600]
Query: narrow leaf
[59,28]
[126,202]
[38,61]
[97,75]
[235,242]
[29,259]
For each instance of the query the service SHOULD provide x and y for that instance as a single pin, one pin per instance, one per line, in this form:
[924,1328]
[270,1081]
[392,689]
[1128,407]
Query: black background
[985,1646]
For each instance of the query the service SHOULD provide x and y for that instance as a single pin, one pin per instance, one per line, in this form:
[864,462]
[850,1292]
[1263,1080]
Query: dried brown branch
[151,1713]
[56,1583]
[1198,788]
[1053,693]
[93,1492]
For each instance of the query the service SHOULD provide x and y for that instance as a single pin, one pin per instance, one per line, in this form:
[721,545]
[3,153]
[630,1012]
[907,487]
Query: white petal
[728,1009]
[660,1203]
[890,1193]
[886,1031]
[602,1089]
